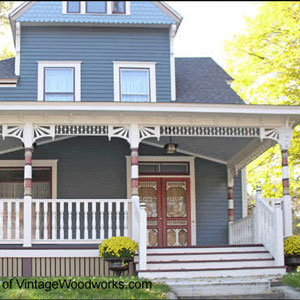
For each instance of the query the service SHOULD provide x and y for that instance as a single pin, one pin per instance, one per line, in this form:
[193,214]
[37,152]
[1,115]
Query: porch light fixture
[171,147]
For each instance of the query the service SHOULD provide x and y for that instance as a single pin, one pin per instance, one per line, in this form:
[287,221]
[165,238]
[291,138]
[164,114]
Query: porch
[82,221]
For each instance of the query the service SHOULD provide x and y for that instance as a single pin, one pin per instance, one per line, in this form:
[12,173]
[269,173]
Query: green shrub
[292,245]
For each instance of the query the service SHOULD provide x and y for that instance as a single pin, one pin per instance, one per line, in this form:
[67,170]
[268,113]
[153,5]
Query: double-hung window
[59,81]
[134,81]
[73,7]
[59,84]
[96,7]
[134,85]
[118,7]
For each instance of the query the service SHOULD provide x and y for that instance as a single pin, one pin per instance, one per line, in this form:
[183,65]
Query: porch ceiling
[234,151]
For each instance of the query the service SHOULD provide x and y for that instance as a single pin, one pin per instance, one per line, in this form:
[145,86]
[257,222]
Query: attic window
[73,7]
[96,7]
[118,7]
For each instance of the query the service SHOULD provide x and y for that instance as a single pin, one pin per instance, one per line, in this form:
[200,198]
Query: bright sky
[205,26]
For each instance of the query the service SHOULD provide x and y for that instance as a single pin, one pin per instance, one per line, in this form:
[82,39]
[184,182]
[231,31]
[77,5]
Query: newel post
[279,257]
[28,145]
[256,219]
[285,137]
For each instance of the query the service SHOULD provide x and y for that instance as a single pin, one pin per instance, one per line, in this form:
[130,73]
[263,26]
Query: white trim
[134,64]
[36,163]
[191,161]
[82,7]
[109,7]
[18,48]
[64,7]
[172,62]
[58,64]
[244,193]
[127,7]
[51,252]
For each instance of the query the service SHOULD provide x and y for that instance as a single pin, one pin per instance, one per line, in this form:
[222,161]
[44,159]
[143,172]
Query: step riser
[207,257]
[214,273]
[205,250]
[216,265]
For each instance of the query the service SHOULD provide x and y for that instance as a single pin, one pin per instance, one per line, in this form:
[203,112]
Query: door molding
[191,176]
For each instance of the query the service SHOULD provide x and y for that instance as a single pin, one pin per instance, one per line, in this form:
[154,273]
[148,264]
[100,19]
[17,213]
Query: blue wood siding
[92,167]
[97,48]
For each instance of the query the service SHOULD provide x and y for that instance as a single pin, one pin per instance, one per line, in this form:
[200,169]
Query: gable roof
[7,69]
[142,12]
[202,80]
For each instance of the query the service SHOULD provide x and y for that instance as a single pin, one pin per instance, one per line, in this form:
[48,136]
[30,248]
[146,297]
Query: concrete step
[211,272]
[270,295]
[206,256]
[211,264]
[213,249]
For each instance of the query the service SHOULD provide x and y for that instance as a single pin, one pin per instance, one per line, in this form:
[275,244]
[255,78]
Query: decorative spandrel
[176,193]
[148,195]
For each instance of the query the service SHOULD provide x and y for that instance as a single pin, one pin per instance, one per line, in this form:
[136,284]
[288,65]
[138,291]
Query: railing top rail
[241,220]
[66,200]
[264,202]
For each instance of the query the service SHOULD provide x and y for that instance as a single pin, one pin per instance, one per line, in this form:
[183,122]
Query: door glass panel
[176,192]
[148,195]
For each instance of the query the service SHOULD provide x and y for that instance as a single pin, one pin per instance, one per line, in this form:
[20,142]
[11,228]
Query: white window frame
[59,64]
[108,8]
[47,163]
[151,66]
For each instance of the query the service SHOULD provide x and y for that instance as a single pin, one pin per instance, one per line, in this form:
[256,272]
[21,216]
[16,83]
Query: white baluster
[94,220]
[9,220]
[54,221]
[45,220]
[86,220]
[102,220]
[118,219]
[70,220]
[1,219]
[125,218]
[17,237]
[61,210]
[78,220]
[109,219]
[37,220]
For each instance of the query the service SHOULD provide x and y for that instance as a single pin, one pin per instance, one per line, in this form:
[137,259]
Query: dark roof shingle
[7,69]
[202,80]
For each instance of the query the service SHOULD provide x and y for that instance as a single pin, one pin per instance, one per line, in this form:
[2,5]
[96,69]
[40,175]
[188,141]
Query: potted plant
[118,251]
[292,252]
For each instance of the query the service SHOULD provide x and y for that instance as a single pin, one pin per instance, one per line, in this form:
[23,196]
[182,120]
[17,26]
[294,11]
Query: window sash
[60,95]
[95,12]
[132,94]
[74,11]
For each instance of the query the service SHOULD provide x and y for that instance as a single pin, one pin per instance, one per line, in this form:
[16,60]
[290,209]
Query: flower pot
[118,265]
[292,262]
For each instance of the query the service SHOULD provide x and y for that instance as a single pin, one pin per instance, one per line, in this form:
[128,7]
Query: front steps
[197,262]
[223,288]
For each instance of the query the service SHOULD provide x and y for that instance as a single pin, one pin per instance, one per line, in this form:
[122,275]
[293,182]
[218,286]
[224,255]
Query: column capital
[285,137]
[134,136]
[230,176]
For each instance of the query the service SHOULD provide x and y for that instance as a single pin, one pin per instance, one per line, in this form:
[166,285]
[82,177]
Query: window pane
[96,6]
[59,97]
[174,168]
[118,7]
[135,85]
[148,168]
[59,80]
[73,7]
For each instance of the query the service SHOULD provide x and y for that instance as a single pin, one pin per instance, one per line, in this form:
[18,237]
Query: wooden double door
[168,210]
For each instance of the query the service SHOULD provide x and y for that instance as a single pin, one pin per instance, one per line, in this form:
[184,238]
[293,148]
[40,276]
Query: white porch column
[230,184]
[285,136]
[28,144]
[134,144]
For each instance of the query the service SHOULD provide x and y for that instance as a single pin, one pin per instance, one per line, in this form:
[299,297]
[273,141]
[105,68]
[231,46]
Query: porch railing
[264,226]
[62,220]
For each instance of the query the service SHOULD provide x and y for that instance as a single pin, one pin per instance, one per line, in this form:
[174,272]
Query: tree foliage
[5,6]
[265,62]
